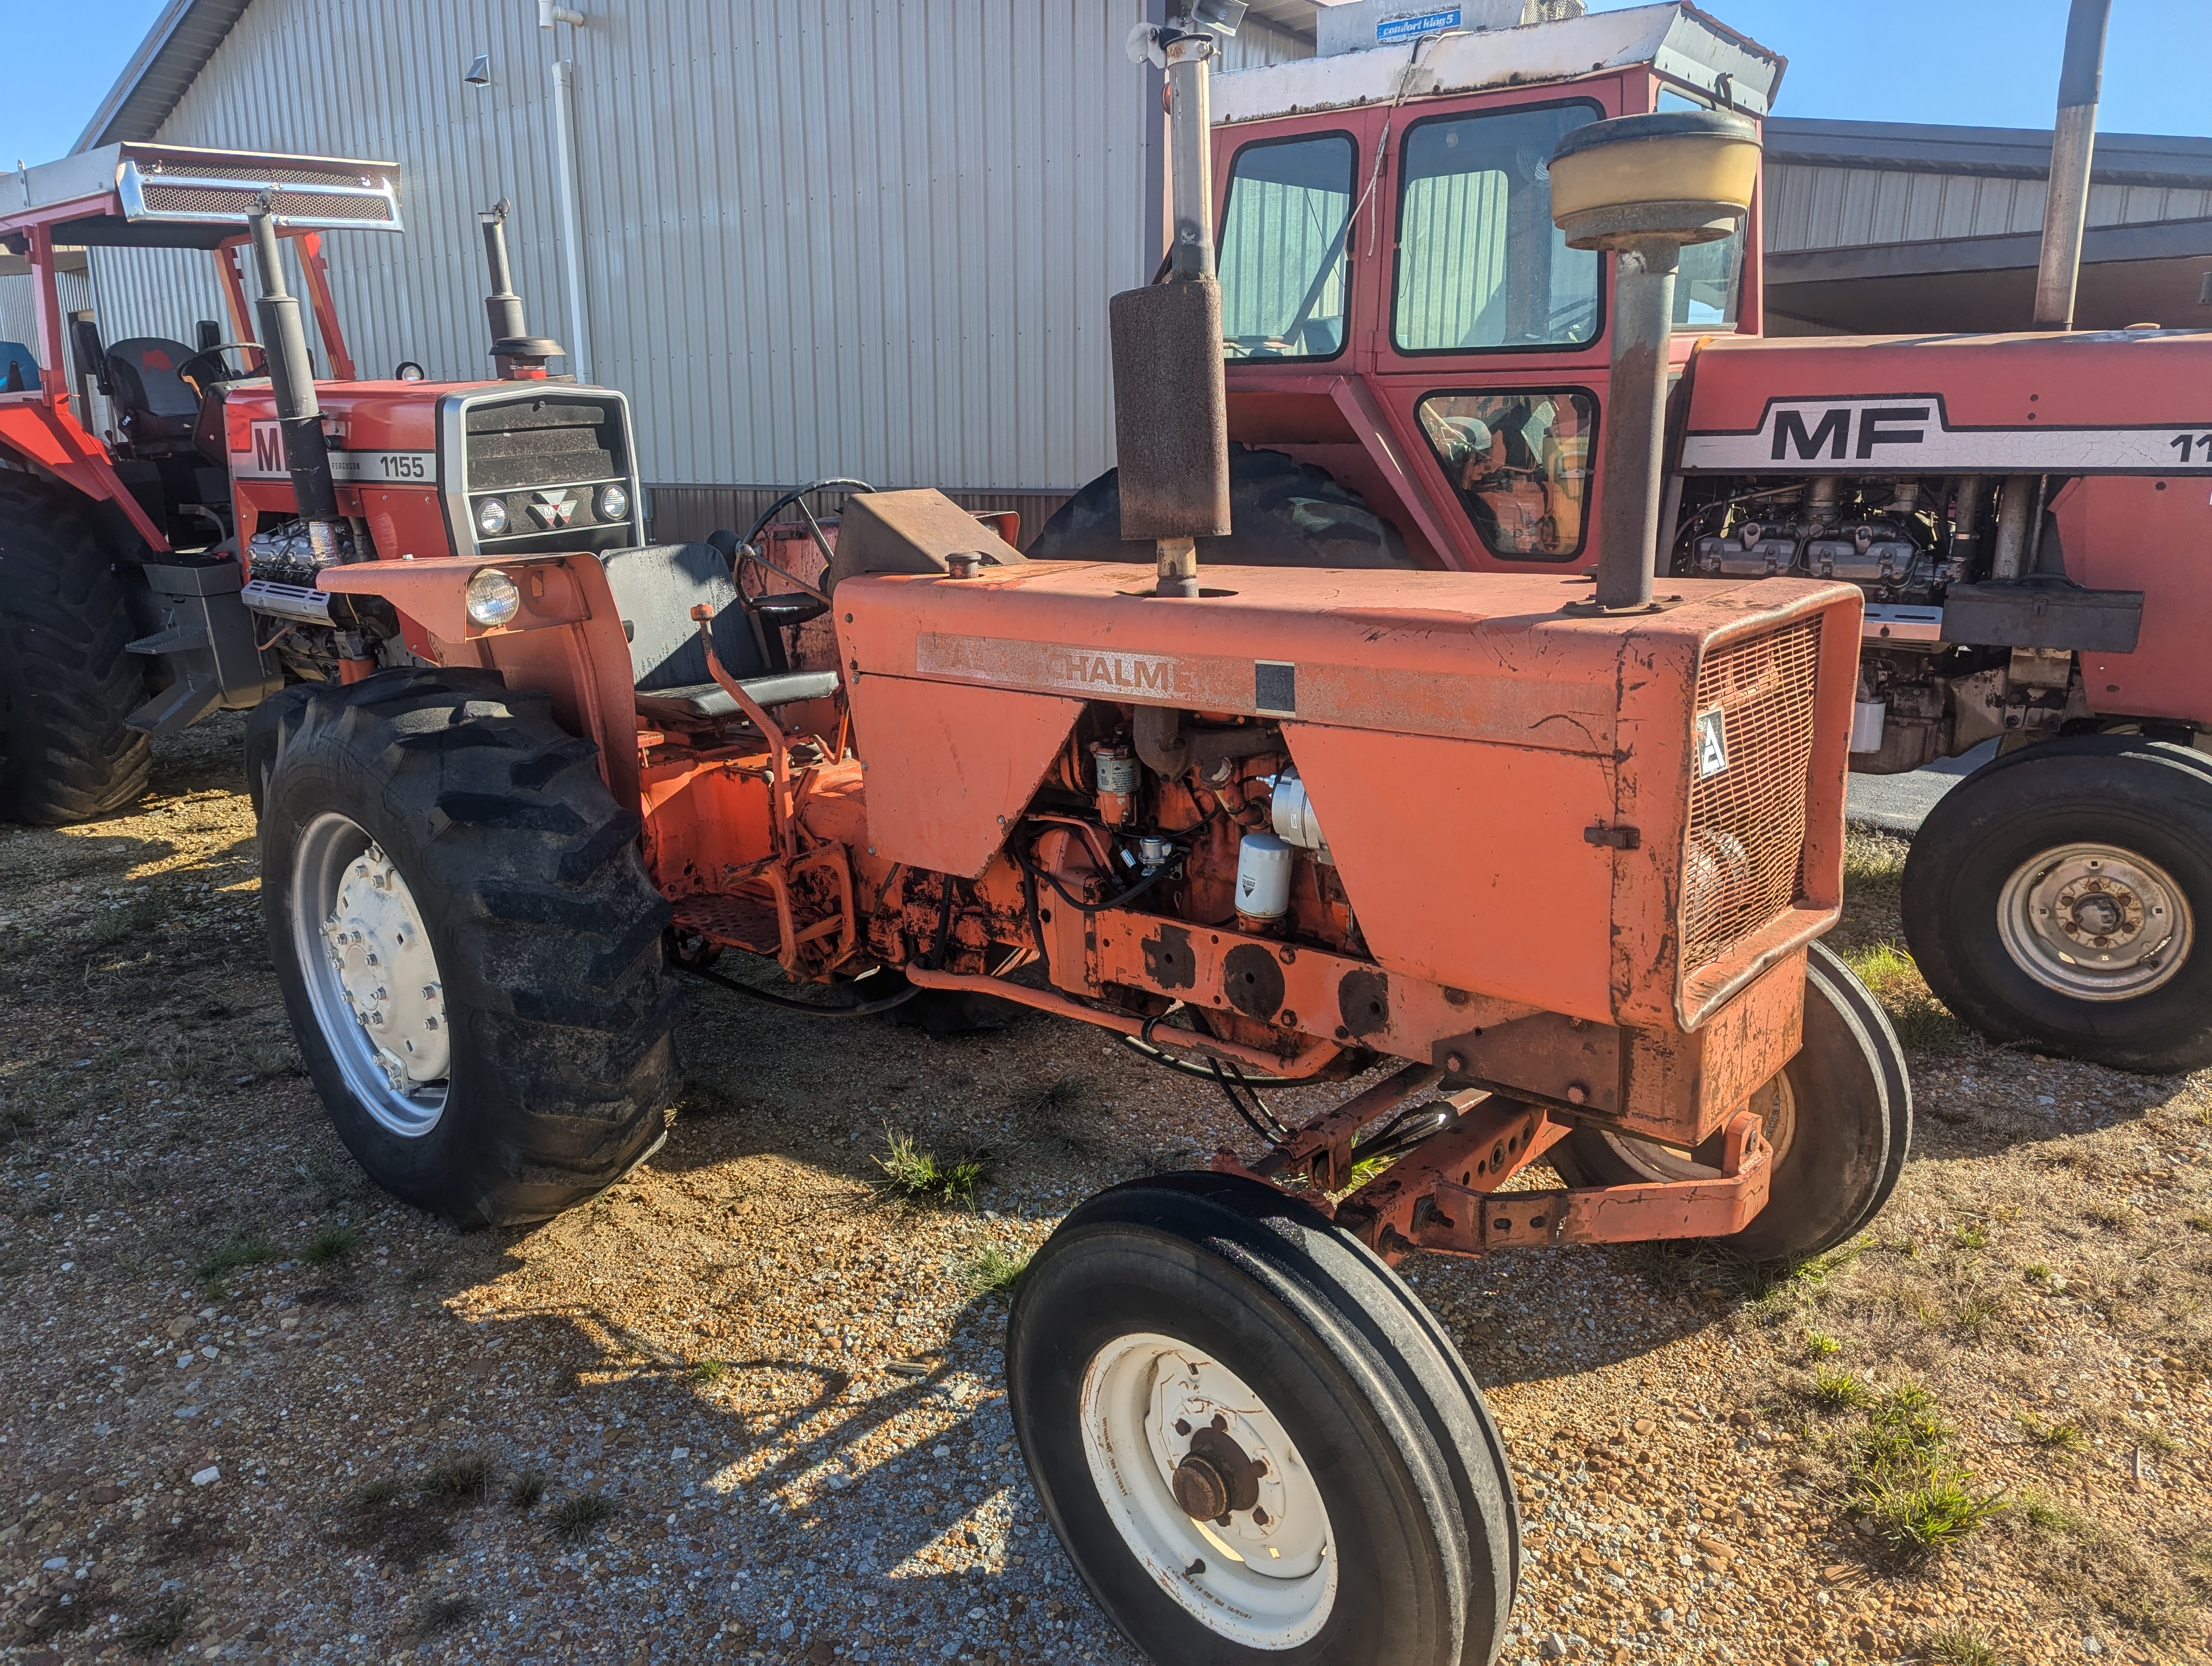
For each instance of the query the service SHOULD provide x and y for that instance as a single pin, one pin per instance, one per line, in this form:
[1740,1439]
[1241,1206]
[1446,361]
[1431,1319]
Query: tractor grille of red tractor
[1751,753]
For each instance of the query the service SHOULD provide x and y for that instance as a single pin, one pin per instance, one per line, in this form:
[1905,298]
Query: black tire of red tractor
[1281,513]
[266,726]
[66,682]
[547,931]
[1851,1133]
[1379,1405]
[2152,797]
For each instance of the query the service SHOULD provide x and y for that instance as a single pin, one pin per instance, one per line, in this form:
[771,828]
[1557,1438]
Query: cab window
[1480,266]
[1712,274]
[1520,462]
[1281,262]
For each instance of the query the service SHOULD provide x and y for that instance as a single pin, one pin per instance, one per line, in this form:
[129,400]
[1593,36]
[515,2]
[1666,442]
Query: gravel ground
[742,1408]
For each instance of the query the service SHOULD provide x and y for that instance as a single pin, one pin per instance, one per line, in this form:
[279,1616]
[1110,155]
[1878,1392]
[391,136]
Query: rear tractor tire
[2061,896]
[1838,1115]
[467,943]
[1254,1444]
[66,681]
[1281,513]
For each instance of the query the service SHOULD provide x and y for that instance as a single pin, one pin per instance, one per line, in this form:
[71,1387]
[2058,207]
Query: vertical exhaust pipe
[2073,140]
[519,355]
[1170,402]
[292,388]
[1643,187]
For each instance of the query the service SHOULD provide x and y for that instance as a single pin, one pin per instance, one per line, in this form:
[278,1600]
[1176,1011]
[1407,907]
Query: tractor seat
[155,406]
[655,587]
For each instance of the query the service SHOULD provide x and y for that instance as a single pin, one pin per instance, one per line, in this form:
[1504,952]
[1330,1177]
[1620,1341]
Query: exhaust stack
[292,387]
[1170,403]
[519,355]
[2073,139]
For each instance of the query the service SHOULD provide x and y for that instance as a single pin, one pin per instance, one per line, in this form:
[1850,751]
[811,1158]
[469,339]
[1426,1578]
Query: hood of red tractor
[2121,401]
[388,415]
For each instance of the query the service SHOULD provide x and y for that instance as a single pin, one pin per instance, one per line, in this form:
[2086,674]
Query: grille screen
[1746,844]
[297,204]
[545,442]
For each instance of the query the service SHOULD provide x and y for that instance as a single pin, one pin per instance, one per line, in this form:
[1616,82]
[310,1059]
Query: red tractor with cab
[1418,376]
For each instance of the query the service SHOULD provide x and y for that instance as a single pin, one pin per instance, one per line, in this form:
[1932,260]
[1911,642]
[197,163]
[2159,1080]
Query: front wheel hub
[2095,921]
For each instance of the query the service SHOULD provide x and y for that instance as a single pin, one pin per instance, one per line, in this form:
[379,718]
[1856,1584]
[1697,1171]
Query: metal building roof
[174,51]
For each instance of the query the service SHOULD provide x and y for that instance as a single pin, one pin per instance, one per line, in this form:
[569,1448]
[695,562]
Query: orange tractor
[166,569]
[1536,865]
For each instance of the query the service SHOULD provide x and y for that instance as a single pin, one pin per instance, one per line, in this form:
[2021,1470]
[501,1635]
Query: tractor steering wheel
[214,356]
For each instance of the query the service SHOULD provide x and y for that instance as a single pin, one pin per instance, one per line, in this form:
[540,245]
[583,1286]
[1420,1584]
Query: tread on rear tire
[1375,1408]
[547,935]
[66,682]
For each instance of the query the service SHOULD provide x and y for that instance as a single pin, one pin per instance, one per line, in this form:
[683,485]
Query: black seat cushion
[655,586]
[711,700]
[160,404]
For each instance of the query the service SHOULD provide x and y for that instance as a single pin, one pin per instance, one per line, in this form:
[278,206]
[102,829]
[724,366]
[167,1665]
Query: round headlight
[491,516]
[493,597]
[614,503]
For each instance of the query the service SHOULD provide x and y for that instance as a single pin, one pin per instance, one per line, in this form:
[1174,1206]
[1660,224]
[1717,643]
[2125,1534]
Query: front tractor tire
[2062,896]
[1281,513]
[67,681]
[1838,1116]
[1254,1443]
[468,945]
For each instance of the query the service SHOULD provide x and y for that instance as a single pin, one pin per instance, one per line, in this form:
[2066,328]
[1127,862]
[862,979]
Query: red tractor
[168,568]
[1419,375]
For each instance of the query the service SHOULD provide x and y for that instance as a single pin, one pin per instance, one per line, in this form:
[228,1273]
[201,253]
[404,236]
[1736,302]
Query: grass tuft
[1821,1346]
[529,1486]
[1960,1648]
[440,1614]
[1888,970]
[465,1479]
[246,1249]
[914,1176]
[2060,1437]
[576,1518]
[1904,1481]
[156,1631]
[381,1491]
[992,1271]
[1839,1391]
[707,1373]
[330,1246]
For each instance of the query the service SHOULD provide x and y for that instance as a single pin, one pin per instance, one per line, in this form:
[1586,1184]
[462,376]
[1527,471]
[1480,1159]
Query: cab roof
[1676,40]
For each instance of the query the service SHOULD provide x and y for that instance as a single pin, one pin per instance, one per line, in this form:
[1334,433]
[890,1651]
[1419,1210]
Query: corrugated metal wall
[820,237]
[1812,207]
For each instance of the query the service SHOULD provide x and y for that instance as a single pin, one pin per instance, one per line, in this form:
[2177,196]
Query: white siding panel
[1814,207]
[820,236]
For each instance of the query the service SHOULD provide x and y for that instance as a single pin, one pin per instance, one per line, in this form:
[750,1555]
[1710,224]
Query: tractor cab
[1415,356]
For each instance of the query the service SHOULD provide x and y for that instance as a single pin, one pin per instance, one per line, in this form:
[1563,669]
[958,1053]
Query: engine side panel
[2154,535]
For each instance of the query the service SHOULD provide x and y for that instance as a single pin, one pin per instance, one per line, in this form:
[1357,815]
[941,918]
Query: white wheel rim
[2095,922]
[1778,1114]
[1267,1579]
[371,976]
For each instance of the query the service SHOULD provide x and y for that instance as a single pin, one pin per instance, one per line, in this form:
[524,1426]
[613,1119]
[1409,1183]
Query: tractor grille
[550,458]
[1744,852]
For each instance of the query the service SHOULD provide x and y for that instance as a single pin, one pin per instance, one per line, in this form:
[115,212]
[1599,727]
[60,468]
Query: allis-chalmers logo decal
[1911,432]
[1043,666]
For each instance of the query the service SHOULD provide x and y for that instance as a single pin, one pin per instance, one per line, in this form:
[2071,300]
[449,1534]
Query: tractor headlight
[614,503]
[491,516]
[494,597]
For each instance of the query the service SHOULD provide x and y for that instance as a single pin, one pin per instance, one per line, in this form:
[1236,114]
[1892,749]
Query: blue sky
[1985,62]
